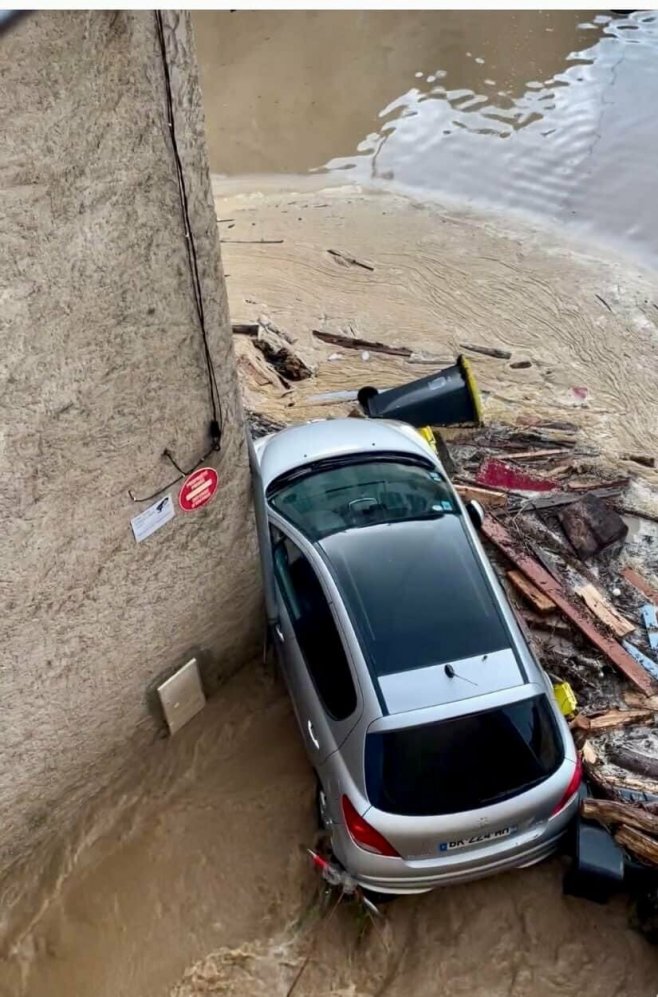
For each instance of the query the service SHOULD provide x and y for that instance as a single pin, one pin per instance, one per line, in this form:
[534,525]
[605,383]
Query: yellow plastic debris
[565,698]
[428,436]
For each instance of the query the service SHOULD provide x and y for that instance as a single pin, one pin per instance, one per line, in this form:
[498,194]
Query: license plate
[475,839]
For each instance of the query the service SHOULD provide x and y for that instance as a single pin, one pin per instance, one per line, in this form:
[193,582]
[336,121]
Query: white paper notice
[153,518]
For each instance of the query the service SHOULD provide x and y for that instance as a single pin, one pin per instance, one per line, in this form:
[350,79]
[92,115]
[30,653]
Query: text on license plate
[475,839]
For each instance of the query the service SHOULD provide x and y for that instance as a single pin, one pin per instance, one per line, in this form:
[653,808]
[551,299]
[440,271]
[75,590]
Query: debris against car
[573,536]
[580,578]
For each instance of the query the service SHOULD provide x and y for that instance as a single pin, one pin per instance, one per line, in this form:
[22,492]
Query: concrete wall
[101,368]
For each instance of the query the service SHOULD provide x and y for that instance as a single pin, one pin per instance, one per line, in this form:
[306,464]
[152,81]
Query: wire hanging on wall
[217,417]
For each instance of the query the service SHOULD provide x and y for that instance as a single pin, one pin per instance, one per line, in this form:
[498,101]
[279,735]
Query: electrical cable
[189,238]
[217,421]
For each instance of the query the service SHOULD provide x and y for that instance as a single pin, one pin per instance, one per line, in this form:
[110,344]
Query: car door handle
[311,734]
[278,632]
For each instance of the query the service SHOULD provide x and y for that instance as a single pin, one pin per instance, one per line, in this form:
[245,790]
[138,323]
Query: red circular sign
[198,489]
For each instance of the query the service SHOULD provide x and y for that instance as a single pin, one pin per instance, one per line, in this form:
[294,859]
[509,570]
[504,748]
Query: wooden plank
[551,623]
[610,720]
[488,498]
[633,671]
[535,454]
[531,593]
[487,351]
[638,843]
[619,787]
[640,583]
[636,761]
[640,702]
[589,753]
[569,498]
[612,812]
[354,343]
[642,659]
[349,261]
[604,611]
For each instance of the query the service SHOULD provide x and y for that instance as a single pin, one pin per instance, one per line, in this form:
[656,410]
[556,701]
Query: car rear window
[464,763]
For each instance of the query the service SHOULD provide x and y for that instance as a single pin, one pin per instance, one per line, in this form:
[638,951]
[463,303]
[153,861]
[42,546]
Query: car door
[317,668]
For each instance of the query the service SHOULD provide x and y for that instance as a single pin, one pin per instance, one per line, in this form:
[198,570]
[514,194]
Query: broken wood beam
[610,720]
[611,490]
[589,753]
[611,812]
[604,611]
[620,787]
[354,343]
[633,671]
[636,761]
[552,625]
[639,843]
[640,583]
[349,261]
[487,351]
[640,702]
[286,362]
[489,498]
[591,526]
[537,599]
[536,454]
[642,659]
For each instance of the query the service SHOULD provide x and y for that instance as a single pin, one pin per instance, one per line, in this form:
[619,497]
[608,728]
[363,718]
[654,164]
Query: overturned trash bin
[446,398]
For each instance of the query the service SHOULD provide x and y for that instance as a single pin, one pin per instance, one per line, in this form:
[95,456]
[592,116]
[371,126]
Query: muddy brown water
[545,112]
[199,850]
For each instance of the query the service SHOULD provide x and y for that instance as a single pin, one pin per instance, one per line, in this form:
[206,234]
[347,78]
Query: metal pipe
[260,511]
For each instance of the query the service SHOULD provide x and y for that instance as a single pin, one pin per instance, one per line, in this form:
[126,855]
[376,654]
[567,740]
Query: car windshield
[342,495]
[464,763]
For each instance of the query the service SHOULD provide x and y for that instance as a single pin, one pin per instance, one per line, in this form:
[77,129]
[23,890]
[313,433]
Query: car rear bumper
[408,883]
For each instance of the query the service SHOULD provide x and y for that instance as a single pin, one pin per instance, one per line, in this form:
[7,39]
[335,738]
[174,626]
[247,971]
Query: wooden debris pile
[563,544]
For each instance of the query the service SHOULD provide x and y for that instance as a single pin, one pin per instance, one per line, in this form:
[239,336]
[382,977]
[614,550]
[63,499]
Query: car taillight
[572,788]
[363,834]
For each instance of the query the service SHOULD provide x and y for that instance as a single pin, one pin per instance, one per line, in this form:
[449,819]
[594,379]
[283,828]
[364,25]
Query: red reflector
[572,788]
[363,834]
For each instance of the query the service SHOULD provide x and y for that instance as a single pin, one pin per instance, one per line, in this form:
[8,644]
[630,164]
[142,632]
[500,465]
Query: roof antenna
[452,674]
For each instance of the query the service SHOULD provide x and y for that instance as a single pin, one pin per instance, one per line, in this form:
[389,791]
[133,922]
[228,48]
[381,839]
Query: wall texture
[101,368]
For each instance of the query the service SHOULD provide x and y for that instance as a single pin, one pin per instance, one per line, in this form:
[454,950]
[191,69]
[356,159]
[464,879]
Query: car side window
[315,628]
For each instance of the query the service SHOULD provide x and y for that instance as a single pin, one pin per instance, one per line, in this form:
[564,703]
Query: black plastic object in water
[597,870]
[446,398]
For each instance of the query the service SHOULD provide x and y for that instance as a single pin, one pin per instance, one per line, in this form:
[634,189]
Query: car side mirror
[475,513]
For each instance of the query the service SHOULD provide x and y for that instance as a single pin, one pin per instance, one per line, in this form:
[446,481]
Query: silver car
[440,752]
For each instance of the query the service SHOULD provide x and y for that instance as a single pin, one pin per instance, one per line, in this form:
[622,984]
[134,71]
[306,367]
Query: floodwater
[200,849]
[544,112]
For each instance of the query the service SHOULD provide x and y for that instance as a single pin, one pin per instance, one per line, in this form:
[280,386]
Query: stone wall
[101,368]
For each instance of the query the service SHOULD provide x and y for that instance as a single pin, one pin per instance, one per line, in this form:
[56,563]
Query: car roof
[290,448]
[419,600]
